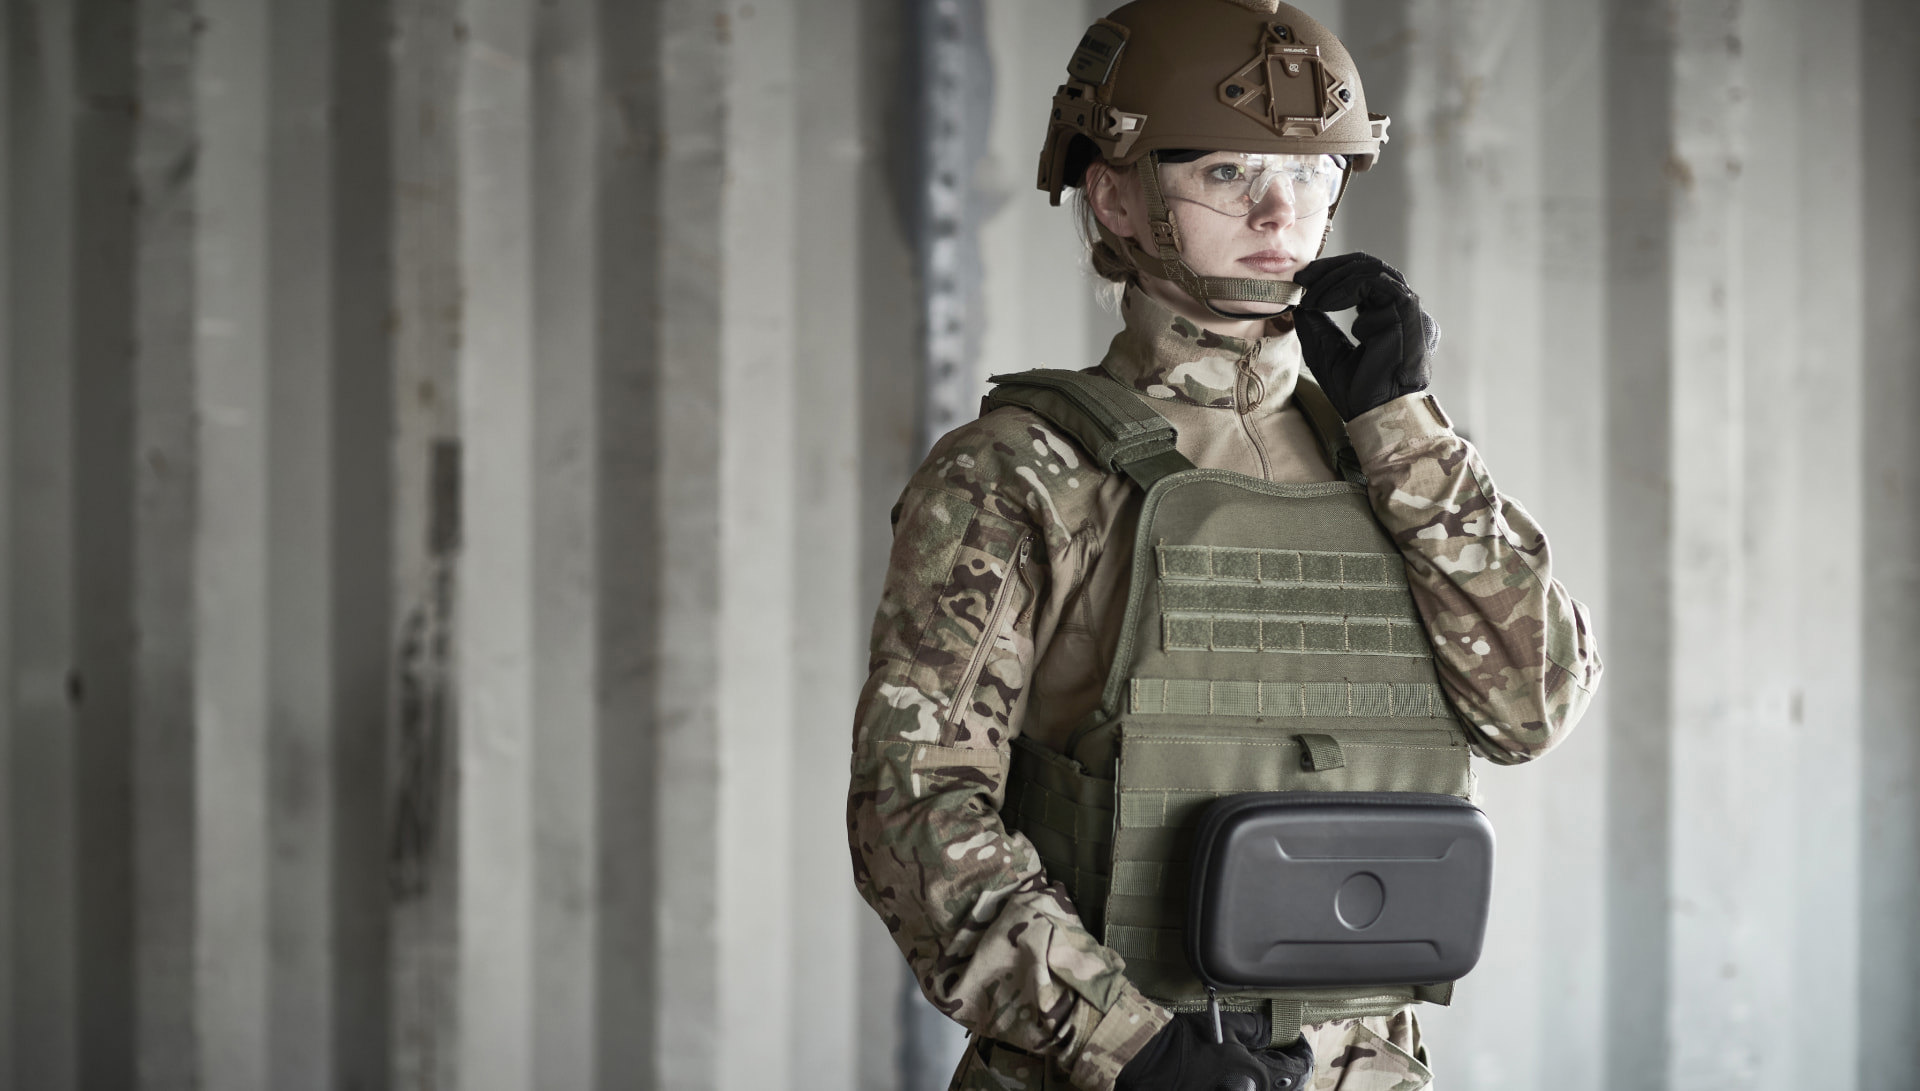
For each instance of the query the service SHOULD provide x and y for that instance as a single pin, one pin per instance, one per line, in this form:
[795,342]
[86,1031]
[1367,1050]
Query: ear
[1107,195]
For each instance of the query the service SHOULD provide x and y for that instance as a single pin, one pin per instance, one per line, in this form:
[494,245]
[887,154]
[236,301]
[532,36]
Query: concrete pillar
[1828,382]
[892,441]
[352,682]
[296,269]
[627,310]
[428,490]
[42,973]
[1888,807]
[186,1032]
[6,551]
[833,208]
[1639,600]
[100,319]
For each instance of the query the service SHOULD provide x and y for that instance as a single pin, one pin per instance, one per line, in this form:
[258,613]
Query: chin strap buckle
[1166,237]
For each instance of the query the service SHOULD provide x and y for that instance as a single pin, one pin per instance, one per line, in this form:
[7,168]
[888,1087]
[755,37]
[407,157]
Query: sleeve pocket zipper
[963,693]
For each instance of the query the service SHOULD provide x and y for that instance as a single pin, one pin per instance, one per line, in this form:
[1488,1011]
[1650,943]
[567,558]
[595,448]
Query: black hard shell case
[1295,889]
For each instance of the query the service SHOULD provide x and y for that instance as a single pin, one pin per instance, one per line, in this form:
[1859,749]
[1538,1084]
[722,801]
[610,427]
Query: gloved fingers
[1319,268]
[1335,284]
[1373,326]
[1396,325]
[1431,330]
[1374,294]
[1321,337]
[1285,1079]
[1184,1057]
[1328,353]
[1249,1028]
[1286,1073]
[1238,1068]
[1325,267]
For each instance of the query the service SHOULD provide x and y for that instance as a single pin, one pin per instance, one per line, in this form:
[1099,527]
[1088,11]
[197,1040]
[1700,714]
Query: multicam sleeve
[990,940]
[1514,650]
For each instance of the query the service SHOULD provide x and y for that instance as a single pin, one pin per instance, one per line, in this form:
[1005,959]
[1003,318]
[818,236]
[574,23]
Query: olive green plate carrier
[1270,644]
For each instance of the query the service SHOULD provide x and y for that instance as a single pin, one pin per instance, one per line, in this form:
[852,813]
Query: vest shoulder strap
[1122,433]
[1331,430]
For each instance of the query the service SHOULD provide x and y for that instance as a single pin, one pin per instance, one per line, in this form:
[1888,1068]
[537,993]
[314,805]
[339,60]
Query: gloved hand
[1184,1057]
[1396,336]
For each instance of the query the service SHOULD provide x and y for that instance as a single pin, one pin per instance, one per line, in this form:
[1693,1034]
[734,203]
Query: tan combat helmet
[1254,76]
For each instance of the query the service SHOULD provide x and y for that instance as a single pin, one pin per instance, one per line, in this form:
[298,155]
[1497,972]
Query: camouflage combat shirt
[1008,524]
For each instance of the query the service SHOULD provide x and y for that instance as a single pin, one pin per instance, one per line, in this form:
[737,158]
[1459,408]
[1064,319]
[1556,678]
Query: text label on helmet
[1099,52]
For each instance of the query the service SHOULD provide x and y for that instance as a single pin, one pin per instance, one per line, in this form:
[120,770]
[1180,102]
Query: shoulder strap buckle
[1122,433]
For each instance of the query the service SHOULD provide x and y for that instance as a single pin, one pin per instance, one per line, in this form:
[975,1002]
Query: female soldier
[1210,141]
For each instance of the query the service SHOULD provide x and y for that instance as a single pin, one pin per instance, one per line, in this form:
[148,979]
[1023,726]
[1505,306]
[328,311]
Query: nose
[1275,208]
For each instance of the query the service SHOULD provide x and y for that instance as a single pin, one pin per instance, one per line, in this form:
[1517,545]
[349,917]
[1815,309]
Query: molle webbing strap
[1166,235]
[1320,753]
[1331,430]
[1068,815]
[1123,434]
[1285,1017]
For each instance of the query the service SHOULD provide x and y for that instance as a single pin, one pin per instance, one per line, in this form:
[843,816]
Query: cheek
[1303,236]
[1212,243]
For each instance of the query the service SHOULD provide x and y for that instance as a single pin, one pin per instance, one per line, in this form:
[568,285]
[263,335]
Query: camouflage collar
[1164,355]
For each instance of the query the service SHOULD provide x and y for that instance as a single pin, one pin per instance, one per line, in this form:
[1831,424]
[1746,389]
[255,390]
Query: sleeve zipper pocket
[963,693]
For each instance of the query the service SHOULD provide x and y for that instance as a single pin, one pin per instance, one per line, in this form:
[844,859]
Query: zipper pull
[1256,387]
[1020,567]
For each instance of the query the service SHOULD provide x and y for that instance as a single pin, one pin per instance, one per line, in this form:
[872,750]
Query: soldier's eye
[1224,172]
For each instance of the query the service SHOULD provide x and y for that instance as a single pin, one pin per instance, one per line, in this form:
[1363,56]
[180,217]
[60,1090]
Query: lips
[1271,261]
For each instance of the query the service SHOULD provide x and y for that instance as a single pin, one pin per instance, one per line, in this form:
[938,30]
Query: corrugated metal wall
[448,454]
[447,448]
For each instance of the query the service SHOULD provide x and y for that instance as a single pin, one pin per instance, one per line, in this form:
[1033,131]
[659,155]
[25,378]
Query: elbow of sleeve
[1511,740]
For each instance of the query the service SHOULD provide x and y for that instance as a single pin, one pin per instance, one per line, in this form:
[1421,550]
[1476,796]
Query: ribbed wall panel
[447,453]
[447,447]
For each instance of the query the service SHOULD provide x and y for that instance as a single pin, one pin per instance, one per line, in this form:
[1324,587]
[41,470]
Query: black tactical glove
[1396,336]
[1184,1057]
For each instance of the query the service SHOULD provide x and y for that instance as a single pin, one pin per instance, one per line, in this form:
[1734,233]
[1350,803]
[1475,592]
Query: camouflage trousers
[1375,1054]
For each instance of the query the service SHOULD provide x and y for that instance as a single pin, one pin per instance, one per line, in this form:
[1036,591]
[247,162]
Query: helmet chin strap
[1167,264]
[1241,316]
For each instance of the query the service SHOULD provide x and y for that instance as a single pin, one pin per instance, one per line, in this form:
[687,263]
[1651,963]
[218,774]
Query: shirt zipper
[1256,392]
[964,691]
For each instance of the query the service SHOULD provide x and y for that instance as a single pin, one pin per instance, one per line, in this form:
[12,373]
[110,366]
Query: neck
[1169,295]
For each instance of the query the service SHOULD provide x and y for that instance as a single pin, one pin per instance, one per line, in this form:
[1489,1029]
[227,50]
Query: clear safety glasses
[1234,183]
